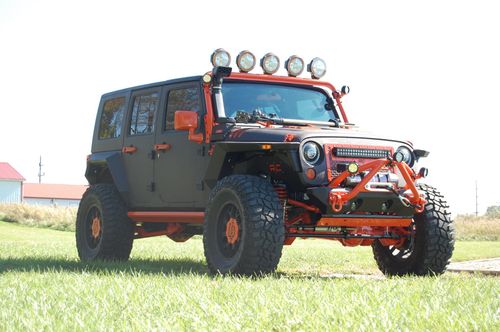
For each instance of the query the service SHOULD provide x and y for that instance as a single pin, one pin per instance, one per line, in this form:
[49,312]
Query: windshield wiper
[258,116]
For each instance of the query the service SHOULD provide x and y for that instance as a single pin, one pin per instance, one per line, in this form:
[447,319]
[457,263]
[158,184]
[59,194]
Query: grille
[360,153]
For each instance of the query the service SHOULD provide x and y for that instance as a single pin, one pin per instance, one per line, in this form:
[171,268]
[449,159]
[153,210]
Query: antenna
[476,199]
[40,173]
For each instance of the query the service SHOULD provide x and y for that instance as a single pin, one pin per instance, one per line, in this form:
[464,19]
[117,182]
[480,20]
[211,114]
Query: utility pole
[40,173]
[476,199]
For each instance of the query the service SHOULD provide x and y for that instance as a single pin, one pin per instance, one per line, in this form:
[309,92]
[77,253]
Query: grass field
[165,286]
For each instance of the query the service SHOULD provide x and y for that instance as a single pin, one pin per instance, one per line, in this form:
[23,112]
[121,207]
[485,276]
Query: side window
[184,99]
[143,114]
[112,118]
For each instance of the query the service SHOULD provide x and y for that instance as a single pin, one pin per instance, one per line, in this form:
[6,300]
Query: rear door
[180,168]
[137,150]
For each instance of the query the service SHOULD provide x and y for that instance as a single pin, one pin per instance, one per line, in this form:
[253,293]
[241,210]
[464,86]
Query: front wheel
[430,246]
[244,227]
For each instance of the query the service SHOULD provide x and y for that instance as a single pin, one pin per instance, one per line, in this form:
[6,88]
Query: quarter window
[112,118]
[143,114]
[185,99]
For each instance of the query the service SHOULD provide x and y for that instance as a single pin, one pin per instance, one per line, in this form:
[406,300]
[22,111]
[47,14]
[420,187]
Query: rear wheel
[103,229]
[244,227]
[430,246]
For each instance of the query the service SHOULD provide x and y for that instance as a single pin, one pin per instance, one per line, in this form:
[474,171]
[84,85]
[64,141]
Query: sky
[423,71]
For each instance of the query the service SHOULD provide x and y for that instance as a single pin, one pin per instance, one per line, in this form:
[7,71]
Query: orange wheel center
[96,227]
[232,231]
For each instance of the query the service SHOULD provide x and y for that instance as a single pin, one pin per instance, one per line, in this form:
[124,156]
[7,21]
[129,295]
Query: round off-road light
[294,66]
[207,78]
[270,63]
[317,68]
[345,90]
[220,58]
[407,155]
[353,168]
[398,156]
[245,61]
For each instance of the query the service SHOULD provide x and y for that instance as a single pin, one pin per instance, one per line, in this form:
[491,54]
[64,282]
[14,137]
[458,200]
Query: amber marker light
[311,173]
[266,146]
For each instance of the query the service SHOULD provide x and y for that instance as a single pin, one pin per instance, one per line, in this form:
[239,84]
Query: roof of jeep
[152,85]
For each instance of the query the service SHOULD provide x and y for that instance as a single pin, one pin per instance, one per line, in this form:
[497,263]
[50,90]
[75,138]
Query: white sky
[426,71]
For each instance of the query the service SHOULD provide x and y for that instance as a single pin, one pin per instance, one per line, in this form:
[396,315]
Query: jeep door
[180,164]
[138,147]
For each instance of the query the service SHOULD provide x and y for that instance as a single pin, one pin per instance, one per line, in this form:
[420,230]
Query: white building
[53,194]
[11,184]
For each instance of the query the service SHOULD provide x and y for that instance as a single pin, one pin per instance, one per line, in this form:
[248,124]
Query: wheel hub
[232,231]
[96,227]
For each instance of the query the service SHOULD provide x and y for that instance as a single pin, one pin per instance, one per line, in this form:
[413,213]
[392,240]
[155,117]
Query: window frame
[133,96]
[179,86]
[103,104]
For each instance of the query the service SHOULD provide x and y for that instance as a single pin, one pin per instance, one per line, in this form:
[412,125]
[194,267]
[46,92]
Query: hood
[298,134]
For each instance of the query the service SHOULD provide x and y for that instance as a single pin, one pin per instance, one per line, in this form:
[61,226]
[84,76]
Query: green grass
[165,286]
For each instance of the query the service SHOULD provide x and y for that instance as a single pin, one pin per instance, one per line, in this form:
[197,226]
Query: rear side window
[184,99]
[143,114]
[112,118]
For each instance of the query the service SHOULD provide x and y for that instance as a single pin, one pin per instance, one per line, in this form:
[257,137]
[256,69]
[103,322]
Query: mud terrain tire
[430,250]
[103,229]
[254,246]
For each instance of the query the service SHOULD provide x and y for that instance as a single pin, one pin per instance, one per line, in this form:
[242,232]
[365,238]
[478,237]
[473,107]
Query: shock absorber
[283,196]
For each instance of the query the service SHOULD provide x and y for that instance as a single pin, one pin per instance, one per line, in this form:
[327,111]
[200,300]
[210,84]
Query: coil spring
[283,196]
[281,191]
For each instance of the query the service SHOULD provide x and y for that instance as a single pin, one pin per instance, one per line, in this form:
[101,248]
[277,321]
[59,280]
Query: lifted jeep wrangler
[252,162]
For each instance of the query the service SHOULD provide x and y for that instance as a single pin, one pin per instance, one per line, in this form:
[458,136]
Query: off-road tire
[115,238]
[254,204]
[433,241]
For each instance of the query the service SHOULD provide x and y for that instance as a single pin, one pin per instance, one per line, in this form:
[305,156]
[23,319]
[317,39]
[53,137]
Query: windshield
[277,101]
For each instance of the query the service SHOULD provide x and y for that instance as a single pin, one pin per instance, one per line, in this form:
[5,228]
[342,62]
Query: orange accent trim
[174,216]
[162,147]
[304,205]
[209,116]
[96,227]
[171,229]
[360,222]
[293,80]
[232,231]
[129,149]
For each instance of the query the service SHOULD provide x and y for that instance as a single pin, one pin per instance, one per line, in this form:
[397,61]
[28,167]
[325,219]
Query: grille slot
[361,153]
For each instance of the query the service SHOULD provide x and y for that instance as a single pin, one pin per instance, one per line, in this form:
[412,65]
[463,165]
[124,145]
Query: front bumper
[368,197]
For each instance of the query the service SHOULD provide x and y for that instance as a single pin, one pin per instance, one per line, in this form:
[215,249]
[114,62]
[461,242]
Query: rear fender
[108,167]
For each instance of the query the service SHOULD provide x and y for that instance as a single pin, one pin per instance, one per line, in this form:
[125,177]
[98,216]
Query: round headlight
[294,65]
[270,63]
[245,61]
[317,67]
[220,58]
[407,155]
[311,152]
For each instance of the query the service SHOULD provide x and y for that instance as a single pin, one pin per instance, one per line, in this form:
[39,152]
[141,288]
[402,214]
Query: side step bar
[168,216]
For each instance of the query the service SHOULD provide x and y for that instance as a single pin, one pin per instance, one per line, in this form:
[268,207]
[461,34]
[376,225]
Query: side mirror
[188,121]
